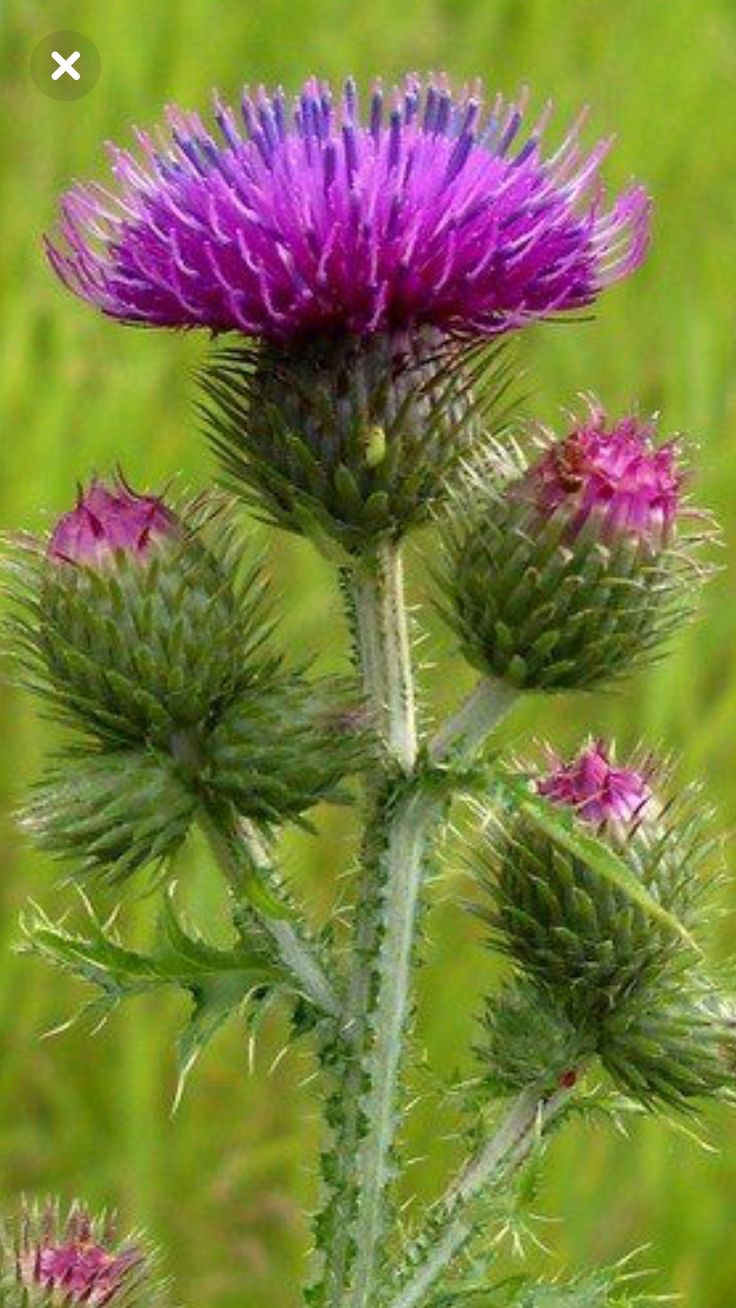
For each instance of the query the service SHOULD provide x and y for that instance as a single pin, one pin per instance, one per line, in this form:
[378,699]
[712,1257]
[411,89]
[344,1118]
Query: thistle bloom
[76,1261]
[313,219]
[615,473]
[106,519]
[598,790]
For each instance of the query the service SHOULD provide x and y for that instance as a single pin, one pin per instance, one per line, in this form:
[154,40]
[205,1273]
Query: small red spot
[568,1079]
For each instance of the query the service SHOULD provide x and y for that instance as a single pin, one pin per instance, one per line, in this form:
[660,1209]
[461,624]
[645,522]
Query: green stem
[384,653]
[379,993]
[240,852]
[464,733]
[345,1229]
[385,660]
[455,1221]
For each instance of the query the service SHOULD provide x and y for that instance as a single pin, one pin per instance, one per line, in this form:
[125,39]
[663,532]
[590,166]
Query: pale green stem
[455,1221]
[464,733]
[378,997]
[383,655]
[294,952]
[406,841]
[384,652]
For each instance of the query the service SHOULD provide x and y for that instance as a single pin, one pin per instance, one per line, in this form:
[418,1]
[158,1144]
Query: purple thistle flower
[77,1260]
[106,519]
[598,790]
[312,219]
[614,473]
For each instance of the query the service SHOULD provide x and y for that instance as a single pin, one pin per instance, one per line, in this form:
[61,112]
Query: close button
[65,65]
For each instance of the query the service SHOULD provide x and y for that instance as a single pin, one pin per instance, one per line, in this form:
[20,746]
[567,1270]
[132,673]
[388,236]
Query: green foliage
[348,441]
[112,813]
[674,1047]
[220,983]
[544,609]
[529,1039]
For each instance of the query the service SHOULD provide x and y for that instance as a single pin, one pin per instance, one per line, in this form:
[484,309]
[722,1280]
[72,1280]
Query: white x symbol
[65,66]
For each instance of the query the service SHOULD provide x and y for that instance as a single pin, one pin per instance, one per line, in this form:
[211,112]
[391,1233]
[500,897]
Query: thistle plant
[361,269]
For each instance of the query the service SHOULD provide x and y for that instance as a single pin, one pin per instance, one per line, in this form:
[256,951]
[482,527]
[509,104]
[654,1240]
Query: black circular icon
[65,65]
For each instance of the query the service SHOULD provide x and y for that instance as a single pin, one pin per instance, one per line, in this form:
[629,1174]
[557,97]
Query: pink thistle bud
[76,1261]
[108,518]
[599,791]
[615,474]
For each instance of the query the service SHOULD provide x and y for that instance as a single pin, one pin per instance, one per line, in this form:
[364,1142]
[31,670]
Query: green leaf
[220,983]
[560,824]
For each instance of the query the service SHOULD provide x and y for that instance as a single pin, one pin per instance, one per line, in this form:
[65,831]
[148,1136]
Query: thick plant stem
[400,829]
[357,1192]
[240,851]
[383,650]
[397,847]
[464,733]
[454,1223]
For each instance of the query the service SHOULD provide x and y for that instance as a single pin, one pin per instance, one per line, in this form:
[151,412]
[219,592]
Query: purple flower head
[598,790]
[614,472]
[76,1261]
[106,519]
[315,218]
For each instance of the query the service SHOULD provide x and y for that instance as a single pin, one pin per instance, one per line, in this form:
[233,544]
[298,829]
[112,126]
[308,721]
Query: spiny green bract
[676,1046]
[543,609]
[112,813]
[166,665]
[596,973]
[349,440]
[573,931]
[146,646]
[528,1039]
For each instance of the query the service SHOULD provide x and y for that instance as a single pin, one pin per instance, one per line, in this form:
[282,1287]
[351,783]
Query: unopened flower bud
[568,572]
[76,1259]
[107,519]
[597,790]
[614,478]
[567,926]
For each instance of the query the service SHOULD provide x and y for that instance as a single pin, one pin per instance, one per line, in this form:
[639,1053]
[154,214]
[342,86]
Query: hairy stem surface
[404,812]
[455,1221]
[239,852]
[464,733]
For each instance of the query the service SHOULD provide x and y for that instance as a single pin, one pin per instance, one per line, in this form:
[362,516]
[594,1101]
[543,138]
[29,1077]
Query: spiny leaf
[564,829]
[220,982]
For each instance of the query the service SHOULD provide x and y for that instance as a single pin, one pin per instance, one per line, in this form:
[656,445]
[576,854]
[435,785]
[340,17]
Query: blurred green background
[221,1184]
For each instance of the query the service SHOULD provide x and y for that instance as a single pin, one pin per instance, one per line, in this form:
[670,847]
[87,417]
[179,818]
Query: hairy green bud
[562,586]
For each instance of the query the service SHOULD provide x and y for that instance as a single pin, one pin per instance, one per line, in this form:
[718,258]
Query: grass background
[221,1184]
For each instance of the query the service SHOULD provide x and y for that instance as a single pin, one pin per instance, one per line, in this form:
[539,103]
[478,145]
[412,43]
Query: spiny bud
[598,790]
[529,1039]
[672,1045]
[141,627]
[599,973]
[349,439]
[106,519]
[568,928]
[52,1260]
[568,571]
